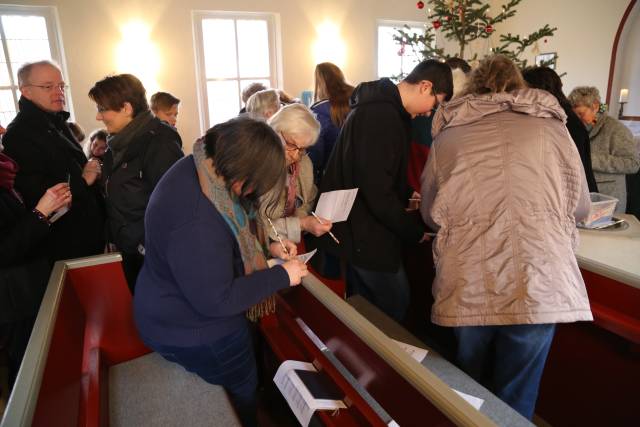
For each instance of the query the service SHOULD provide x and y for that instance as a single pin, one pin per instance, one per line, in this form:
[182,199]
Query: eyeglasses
[437,104]
[289,146]
[101,109]
[48,88]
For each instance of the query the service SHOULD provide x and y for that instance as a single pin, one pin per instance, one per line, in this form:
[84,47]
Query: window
[28,33]
[390,62]
[233,50]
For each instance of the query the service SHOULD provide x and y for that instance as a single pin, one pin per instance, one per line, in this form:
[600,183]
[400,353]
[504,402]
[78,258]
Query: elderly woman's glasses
[290,146]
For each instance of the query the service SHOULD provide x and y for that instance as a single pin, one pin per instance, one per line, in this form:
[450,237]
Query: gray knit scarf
[119,142]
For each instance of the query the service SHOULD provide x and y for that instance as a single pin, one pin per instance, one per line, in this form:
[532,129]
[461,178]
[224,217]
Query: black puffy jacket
[128,184]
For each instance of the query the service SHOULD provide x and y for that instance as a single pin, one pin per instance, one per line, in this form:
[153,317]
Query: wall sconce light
[138,55]
[329,46]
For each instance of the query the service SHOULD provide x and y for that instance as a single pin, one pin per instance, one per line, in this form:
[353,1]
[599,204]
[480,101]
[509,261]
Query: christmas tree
[463,21]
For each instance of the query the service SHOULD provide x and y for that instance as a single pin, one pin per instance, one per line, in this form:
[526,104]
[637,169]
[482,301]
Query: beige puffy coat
[504,187]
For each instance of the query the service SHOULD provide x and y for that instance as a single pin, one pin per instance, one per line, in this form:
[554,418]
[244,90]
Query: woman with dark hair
[331,106]
[504,187]
[205,269]
[547,79]
[141,149]
[24,261]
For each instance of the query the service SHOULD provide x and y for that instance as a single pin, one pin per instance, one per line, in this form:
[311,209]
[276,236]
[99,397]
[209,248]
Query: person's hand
[425,238]
[277,251]
[296,270]
[54,198]
[91,171]
[414,201]
[310,224]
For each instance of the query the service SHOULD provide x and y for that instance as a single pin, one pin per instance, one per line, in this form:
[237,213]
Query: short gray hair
[296,119]
[584,96]
[263,102]
[251,89]
[24,72]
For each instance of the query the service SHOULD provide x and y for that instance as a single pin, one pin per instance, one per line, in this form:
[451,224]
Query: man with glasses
[40,141]
[371,154]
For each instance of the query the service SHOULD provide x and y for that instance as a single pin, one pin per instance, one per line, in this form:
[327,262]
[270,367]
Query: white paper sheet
[301,402]
[57,214]
[416,352]
[306,257]
[336,205]
[476,402]
[302,257]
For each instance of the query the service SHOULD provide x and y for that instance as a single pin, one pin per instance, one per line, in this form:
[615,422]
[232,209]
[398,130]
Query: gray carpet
[151,391]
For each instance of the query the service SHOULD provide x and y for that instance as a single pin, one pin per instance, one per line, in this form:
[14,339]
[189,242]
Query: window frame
[275,58]
[54,35]
[390,23]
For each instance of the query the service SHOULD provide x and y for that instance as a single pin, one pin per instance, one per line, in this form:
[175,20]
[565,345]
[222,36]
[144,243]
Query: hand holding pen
[279,238]
[323,223]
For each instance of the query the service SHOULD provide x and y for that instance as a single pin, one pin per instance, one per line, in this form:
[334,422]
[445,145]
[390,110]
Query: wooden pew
[378,380]
[85,364]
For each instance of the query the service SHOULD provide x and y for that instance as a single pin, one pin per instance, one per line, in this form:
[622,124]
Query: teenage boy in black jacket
[371,154]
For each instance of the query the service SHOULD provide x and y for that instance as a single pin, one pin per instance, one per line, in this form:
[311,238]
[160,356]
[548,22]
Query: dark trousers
[388,291]
[228,362]
[508,360]
[17,337]
[132,264]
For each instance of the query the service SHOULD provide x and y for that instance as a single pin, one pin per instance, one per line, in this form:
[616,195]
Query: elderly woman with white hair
[299,130]
[264,103]
[613,151]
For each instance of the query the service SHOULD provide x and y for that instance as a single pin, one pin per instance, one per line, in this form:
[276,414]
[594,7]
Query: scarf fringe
[262,309]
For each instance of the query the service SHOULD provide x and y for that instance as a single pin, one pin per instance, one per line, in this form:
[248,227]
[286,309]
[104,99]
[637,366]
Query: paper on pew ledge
[336,205]
[416,352]
[476,402]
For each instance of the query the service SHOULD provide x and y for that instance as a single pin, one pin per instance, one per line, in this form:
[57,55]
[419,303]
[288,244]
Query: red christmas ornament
[447,18]
[401,51]
[420,5]
[437,24]
[489,29]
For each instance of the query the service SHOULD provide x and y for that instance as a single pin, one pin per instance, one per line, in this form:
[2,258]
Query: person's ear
[425,86]
[26,92]
[128,109]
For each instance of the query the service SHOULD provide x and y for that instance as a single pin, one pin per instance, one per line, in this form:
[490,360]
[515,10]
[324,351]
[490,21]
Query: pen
[278,236]
[330,233]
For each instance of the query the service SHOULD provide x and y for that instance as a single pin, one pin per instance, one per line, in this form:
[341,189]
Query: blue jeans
[508,360]
[387,291]
[228,362]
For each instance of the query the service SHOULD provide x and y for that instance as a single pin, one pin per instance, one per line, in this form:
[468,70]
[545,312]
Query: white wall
[583,41]
[91,32]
